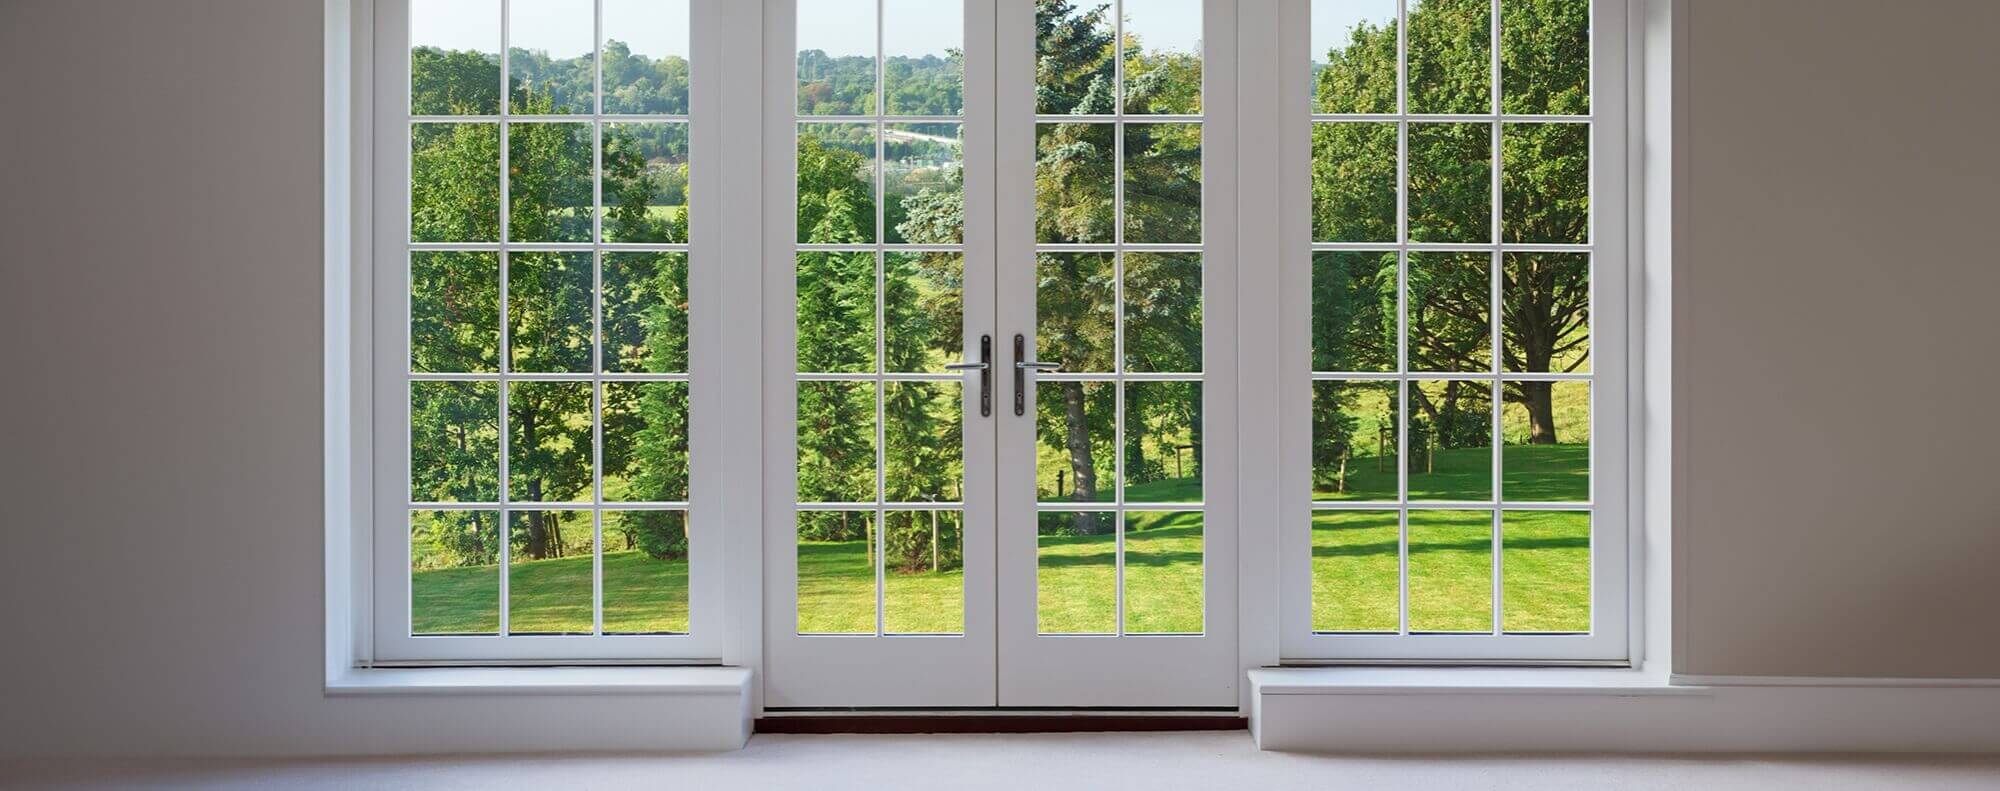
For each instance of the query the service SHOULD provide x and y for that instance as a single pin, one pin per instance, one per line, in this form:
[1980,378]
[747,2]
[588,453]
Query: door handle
[1022,366]
[985,369]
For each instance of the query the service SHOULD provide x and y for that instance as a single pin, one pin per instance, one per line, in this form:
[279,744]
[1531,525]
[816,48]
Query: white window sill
[675,681]
[1618,682]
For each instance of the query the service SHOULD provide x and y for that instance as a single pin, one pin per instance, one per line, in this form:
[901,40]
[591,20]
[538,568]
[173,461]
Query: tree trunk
[1135,440]
[1082,470]
[1539,398]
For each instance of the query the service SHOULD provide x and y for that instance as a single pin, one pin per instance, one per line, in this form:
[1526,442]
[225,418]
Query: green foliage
[1544,69]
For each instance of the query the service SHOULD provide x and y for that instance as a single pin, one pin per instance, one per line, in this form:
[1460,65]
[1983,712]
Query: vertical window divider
[597,335]
[1402,317]
[506,361]
[1495,325]
[880,539]
[1118,307]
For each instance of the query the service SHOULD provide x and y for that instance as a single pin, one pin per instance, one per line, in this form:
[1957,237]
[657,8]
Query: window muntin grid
[880,116]
[586,253]
[1116,369]
[1500,363]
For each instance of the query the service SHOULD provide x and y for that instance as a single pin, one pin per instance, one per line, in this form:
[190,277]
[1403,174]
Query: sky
[1332,20]
[563,28]
[911,28]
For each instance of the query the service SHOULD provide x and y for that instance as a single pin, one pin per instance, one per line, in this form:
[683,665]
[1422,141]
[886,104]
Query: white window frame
[365,317]
[387,639]
[1610,640]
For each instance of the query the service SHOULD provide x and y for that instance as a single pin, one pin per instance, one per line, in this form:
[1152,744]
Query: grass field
[1355,587]
[641,595]
[1530,473]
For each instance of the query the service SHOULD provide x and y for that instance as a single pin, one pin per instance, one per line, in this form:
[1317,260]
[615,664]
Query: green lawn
[641,595]
[1545,562]
[1530,473]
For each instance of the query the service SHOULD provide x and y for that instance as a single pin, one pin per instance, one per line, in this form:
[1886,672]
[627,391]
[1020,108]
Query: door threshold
[990,720]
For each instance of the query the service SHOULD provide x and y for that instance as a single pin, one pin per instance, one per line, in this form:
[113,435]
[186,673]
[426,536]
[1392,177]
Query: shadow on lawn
[1419,547]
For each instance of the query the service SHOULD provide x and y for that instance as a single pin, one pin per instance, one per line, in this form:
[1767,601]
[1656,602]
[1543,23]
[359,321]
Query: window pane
[454,182]
[923,310]
[923,45]
[1074,70]
[454,442]
[1162,312]
[1356,561]
[1451,571]
[645,312]
[550,59]
[923,579]
[1163,56]
[836,439]
[455,57]
[1354,56]
[836,312]
[1354,182]
[548,312]
[1450,56]
[1547,429]
[549,572]
[645,572]
[1545,571]
[1073,461]
[1451,304]
[645,188]
[923,183]
[1076,572]
[454,312]
[454,572]
[923,460]
[1163,572]
[1074,172]
[645,58]
[1163,442]
[645,442]
[1545,187]
[1163,183]
[836,57]
[1545,56]
[1354,311]
[1073,310]
[836,564]
[1451,182]
[836,189]
[549,182]
[1354,440]
[1545,319]
[1451,440]
[548,442]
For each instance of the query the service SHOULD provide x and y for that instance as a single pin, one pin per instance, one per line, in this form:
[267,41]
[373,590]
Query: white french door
[1117,570]
[999,384]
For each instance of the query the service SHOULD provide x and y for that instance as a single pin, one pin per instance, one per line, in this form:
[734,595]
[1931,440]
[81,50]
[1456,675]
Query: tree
[454,301]
[1545,57]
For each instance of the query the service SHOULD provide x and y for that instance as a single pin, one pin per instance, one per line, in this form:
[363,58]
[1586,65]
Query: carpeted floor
[1037,762]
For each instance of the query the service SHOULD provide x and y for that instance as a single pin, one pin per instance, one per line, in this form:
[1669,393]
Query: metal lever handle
[985,369]
[1022,366]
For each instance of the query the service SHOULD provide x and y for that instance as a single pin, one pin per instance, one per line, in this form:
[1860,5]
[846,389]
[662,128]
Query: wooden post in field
[934,543]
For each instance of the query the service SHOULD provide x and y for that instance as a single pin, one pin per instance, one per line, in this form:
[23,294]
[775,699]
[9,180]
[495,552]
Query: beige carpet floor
[1051,762]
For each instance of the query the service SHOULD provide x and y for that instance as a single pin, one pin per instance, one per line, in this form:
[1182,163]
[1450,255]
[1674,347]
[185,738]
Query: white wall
[160,238]
[1837,273]
[159,233]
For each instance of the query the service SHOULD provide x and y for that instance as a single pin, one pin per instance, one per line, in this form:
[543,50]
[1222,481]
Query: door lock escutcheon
[1022,365]
[985,369]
